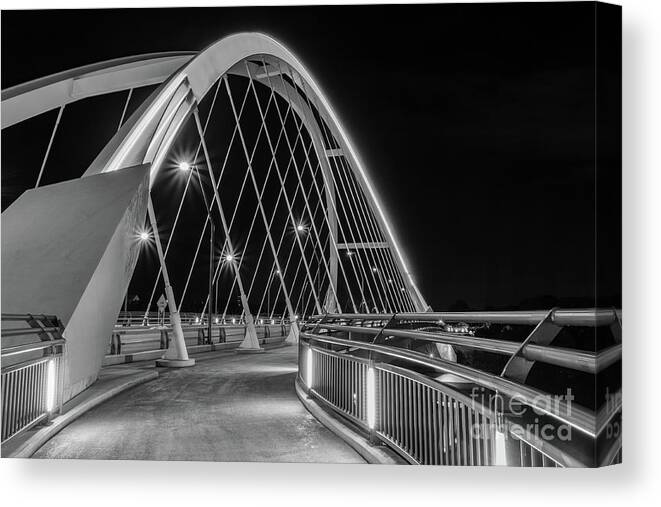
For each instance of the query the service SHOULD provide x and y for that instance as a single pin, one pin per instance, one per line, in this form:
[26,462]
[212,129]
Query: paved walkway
[229,407]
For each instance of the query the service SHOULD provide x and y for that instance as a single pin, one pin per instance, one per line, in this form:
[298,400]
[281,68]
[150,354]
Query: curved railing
[390,379]
[32,371]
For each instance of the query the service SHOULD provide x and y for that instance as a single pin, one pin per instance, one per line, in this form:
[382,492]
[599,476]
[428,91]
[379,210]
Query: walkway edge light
[50,386]
[308,369]
[371,398]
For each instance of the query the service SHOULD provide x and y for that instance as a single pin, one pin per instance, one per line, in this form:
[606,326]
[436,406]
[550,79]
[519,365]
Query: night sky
[476,123]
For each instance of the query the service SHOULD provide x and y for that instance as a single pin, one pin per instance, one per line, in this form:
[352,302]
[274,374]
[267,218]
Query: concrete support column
[292,337]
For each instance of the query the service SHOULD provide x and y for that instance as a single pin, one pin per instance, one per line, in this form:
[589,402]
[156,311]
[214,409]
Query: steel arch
[148,134]
[186,78]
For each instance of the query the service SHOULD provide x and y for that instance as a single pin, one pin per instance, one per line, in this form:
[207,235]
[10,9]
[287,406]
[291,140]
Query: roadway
[228,407]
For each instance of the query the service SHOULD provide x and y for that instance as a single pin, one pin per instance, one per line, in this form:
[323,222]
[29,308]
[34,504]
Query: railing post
[373,394]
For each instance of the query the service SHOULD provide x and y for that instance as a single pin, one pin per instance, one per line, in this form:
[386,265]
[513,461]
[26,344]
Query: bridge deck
[228,407]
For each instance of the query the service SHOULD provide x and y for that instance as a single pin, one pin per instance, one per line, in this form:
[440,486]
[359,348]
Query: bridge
[283,321]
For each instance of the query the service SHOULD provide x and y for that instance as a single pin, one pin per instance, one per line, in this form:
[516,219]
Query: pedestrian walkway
[229,407]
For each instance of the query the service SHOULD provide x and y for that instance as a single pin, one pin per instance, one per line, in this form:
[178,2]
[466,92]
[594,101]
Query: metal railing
[32,371]
[136,339]
[385,377]
[136,319]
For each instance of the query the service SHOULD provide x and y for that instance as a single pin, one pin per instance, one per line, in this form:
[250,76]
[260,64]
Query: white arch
[38,96]
[147,136]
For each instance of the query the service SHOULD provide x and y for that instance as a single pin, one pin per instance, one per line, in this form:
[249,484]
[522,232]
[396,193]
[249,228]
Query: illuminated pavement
[228,407]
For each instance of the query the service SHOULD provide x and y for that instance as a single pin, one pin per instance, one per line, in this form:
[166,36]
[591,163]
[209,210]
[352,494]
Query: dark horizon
[477,124]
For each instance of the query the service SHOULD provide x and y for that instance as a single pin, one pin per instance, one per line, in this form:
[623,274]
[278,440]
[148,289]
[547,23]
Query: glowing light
[216,320]
[300,227]
[184,166]
[295,317]
[500,449]
[374,270]
[229,257]
[50,386]
[371,398]
[389,280]
[143,235]
[308,369]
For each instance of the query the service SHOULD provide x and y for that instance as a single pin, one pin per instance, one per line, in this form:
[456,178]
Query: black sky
[476,122]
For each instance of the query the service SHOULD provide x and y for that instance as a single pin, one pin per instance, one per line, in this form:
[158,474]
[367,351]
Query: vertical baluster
[11,405]
[405,413]
[20,409]
[451,429]
[434,422]
[441,429]
[425,421]
[396,383]
[6,379]
[425,425]
[471,443]
[411,418]
[354,396]
[391,405]
[331,398]
[27,388]
[323,359]
[420,426]
[464,436]
[486,444]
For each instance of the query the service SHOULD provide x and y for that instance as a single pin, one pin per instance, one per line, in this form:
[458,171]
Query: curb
[370,453]
[44,433]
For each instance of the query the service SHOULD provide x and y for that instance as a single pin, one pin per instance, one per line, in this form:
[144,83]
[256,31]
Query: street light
[229,258]
[143,235]
[184,166]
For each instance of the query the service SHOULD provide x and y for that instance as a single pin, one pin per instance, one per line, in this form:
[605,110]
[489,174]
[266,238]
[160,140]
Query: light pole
[185,167]
[212,255]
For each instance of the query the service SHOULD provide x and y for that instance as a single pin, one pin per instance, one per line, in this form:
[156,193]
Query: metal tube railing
[577,417]
[387,390]
[32,383]
[579,317]
[570,358]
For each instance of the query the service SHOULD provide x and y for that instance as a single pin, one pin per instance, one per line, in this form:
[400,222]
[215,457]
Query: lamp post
[212,255]
[185,167]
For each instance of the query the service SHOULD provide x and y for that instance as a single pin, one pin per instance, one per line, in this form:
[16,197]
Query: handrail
[561,317]
[29,330]
[571,358]
[580,418]
[415,419]
[33,380]
[31,347]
